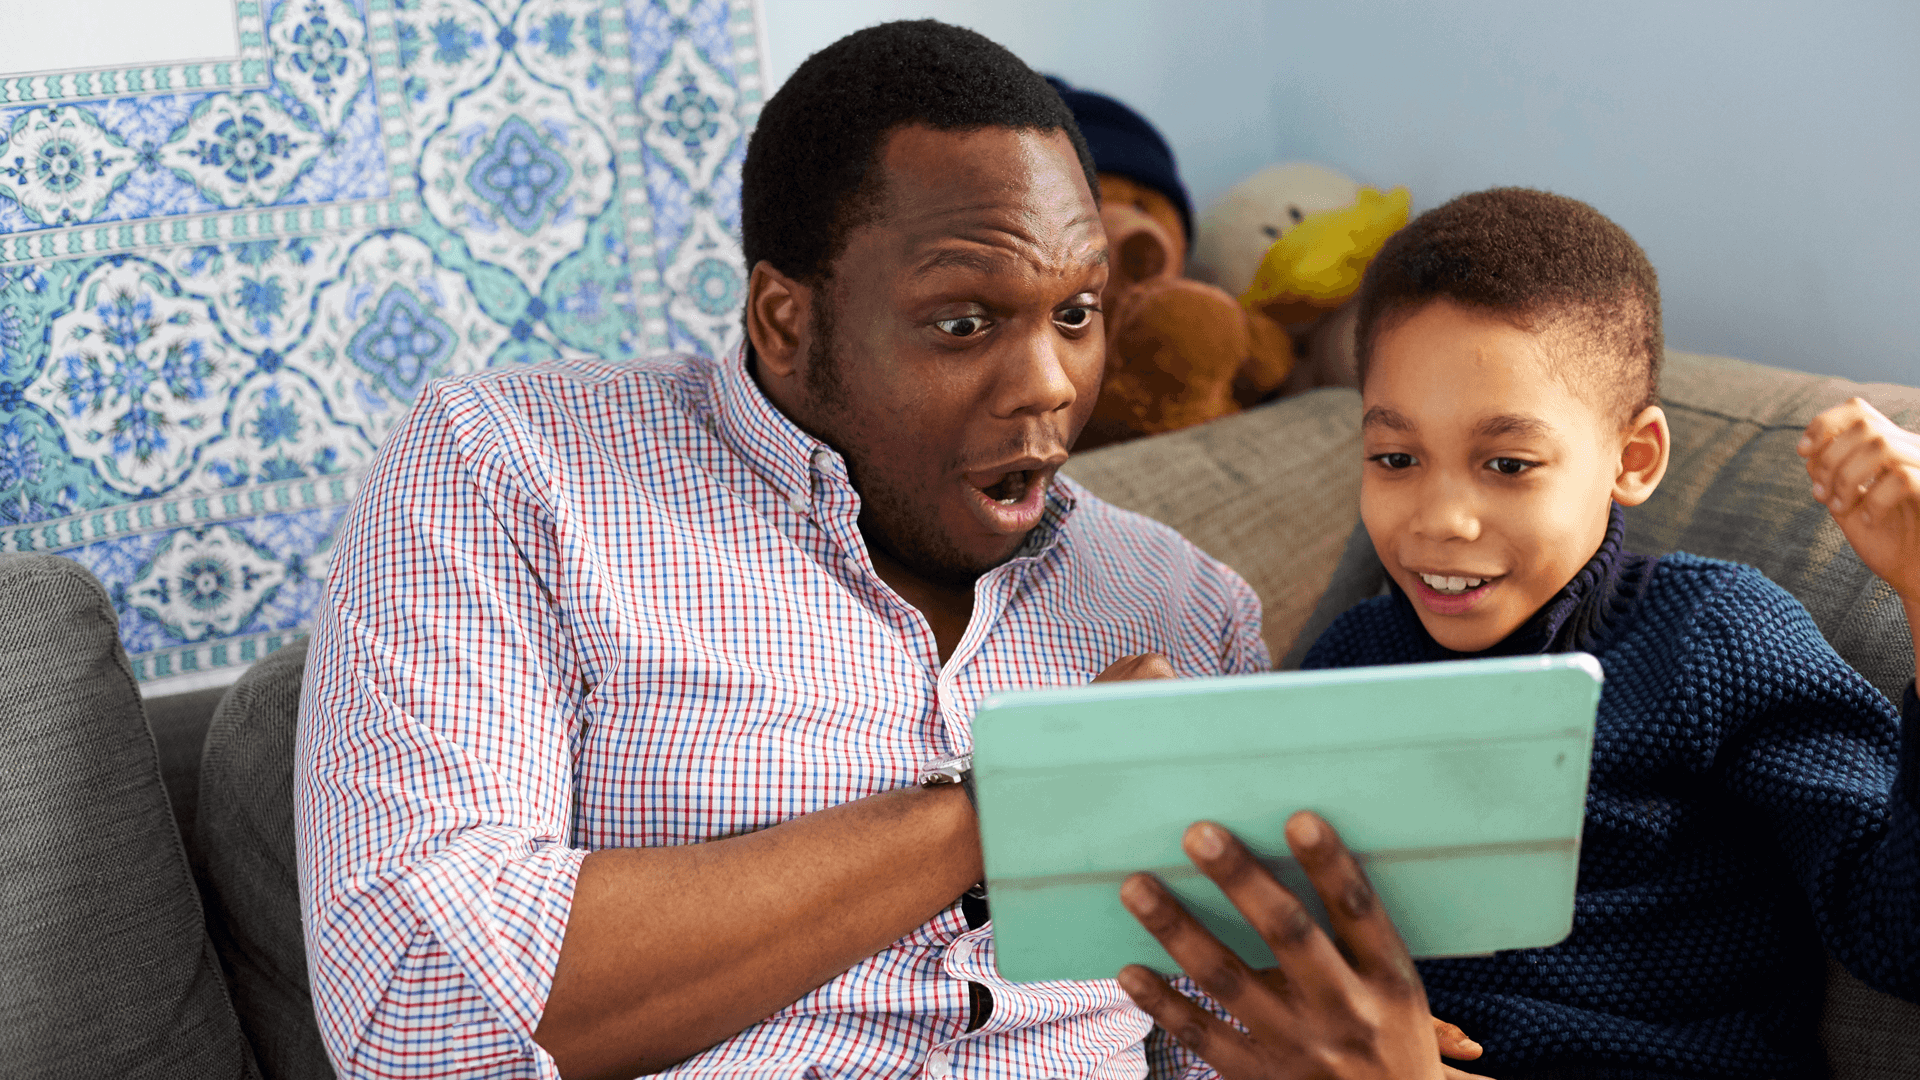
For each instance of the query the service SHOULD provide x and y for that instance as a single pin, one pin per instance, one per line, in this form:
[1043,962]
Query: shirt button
[798,504]
[938,1065]
[820,457]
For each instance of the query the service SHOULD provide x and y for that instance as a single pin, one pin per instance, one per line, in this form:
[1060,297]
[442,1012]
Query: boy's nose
[1447,512]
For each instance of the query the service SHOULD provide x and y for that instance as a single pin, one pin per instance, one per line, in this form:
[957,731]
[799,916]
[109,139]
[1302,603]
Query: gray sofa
[146,848]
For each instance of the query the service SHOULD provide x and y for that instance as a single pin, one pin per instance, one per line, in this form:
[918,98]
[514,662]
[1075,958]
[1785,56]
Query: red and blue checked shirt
[591,605]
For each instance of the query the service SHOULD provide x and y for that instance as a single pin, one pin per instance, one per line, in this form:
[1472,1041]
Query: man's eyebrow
[1509,424]
[1381,416]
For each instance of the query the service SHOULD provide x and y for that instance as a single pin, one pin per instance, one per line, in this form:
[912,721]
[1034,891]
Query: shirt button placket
[939,1065]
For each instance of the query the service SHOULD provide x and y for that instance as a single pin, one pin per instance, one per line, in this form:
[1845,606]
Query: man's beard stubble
[906,531]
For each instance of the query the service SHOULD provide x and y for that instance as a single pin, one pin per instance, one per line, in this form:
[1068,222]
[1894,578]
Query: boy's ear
[1643,457]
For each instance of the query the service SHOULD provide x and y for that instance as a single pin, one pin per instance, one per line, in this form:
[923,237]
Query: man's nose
[1449,509]
[1036,378]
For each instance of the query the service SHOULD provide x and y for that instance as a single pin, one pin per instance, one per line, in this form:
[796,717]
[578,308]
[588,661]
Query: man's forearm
[670,950]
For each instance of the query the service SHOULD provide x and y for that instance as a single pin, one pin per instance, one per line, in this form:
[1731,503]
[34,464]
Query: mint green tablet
[1461,786]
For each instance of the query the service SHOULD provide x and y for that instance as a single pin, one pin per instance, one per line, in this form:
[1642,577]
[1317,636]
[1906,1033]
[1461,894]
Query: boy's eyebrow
[1494,427]
[1381,416]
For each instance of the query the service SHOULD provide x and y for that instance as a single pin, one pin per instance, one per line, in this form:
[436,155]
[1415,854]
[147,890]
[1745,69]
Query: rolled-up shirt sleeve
[433,768]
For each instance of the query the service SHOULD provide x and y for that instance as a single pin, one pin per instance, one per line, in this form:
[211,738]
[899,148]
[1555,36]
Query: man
[613,721]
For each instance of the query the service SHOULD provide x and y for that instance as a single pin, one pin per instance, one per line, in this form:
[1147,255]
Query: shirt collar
[772,445]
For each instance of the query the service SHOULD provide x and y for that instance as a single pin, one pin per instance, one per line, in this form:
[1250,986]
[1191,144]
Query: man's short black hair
[811,172]
[1545,263]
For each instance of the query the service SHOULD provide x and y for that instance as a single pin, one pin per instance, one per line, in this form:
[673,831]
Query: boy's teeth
[1442,584]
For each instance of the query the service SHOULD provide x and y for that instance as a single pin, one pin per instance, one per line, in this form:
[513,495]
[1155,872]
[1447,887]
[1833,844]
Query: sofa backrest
[1272,492]
[105,964]
[1737,490]
[243,841]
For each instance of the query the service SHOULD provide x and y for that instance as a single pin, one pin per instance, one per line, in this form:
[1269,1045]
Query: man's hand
[1319,1014]
[1866,470]
[1151,665]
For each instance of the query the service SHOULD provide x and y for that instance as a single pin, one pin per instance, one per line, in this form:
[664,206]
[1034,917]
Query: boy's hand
[1355,1011]
[1866,470]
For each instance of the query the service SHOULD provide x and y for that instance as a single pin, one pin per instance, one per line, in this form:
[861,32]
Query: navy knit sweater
[1750,805]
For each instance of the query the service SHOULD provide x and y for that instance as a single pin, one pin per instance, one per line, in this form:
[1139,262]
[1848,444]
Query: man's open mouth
[1009,489]
[1010,501]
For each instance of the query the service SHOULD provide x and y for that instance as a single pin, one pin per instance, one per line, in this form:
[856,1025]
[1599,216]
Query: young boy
[1751,803]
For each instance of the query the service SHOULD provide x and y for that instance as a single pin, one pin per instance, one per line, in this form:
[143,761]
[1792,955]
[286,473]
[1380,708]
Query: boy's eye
[964,326]
[1507,466]
[1077,317]
[1395,460]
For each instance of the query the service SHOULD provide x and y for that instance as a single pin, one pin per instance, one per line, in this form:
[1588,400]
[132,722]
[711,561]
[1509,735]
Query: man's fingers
[1448,1072]
[1894,488]
[1217,969]
[1830,453]
[1216,1042]
[1852,471]
[1371,942]
[1306,956]
[1834,420]
[1454,1042]
[1150,665]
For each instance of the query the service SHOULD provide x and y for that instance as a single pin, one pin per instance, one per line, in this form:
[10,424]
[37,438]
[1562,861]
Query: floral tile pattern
[222,283]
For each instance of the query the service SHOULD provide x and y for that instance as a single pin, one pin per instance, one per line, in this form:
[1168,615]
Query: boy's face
[1487,480]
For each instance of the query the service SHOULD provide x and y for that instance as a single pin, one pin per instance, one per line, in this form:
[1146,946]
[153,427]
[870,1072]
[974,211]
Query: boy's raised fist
[1866,470]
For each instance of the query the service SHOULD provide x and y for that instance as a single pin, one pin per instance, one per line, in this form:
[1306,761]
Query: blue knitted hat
[1124,143]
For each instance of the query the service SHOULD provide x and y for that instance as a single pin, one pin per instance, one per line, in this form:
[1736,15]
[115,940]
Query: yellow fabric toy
[1318,263]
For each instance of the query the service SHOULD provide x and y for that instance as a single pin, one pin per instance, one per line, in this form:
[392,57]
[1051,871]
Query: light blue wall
[1767,155]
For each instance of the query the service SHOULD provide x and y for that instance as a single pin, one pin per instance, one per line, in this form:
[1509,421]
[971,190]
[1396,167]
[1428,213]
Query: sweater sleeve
[1818,755]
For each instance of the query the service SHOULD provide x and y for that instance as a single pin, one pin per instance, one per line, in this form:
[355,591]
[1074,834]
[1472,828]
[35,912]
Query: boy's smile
[1489,477]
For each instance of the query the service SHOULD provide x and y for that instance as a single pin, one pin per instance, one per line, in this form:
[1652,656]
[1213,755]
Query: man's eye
[964,326]
[1074,318]
[1394,460]
[1507,466]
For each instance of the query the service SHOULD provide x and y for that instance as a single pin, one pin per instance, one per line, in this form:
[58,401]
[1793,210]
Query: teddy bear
[1179,351]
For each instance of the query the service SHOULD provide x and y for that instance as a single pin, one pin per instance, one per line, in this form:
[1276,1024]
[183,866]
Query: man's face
[962,348]
[1487,480]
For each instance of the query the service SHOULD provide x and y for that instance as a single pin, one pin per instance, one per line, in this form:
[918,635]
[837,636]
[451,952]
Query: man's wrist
[955,771]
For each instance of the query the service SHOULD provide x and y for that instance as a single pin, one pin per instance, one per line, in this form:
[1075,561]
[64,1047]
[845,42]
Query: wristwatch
[953,770]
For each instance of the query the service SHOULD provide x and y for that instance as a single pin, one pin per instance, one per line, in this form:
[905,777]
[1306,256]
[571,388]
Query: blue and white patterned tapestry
[221,283]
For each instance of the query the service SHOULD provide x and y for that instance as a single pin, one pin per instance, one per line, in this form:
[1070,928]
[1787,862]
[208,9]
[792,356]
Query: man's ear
[779,310]
[1643,457]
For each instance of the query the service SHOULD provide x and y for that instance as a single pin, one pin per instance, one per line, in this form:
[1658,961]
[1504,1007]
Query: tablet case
[1461,786]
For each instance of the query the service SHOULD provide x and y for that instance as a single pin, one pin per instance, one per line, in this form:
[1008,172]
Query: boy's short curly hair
[811,173]
[1545,263]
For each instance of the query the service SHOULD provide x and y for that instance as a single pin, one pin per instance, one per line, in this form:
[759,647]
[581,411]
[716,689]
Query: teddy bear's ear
[1140,249]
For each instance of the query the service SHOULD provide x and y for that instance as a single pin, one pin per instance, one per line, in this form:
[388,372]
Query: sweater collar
[1583,616]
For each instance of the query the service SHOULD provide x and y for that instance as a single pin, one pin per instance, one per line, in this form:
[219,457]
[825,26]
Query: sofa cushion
[179,725]
[105,964]
[243,839]
[1271,492]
